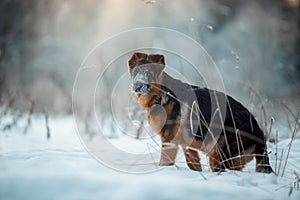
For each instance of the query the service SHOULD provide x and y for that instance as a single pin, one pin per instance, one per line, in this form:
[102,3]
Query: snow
[33,167]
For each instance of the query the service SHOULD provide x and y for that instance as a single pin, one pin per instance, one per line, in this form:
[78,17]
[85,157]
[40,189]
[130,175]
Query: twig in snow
[47,125]
[13,123]
[29,117]
[276,142]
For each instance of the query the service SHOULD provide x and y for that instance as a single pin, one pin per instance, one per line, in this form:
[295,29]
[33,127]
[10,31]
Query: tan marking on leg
[192,159]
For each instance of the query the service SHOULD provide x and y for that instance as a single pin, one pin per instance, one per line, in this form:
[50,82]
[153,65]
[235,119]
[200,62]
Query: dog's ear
[156,58]
[135,58]
[158,61]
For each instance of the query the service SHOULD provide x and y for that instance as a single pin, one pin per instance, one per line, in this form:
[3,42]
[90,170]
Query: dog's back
[239,130]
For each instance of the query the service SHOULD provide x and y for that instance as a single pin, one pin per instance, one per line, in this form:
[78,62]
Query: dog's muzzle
[141,88]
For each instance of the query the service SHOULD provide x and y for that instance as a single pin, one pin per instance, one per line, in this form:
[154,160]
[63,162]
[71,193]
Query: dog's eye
[150,74]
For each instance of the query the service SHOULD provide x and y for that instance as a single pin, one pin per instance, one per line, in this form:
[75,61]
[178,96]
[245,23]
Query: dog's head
[145,70]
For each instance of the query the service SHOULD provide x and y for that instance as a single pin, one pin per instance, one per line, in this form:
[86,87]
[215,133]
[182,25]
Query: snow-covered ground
[32,167]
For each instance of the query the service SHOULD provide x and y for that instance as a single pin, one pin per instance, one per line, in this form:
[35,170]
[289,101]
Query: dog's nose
[141,88]
[137,86]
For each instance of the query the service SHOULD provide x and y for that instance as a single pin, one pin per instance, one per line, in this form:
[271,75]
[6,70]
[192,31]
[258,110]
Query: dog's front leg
[157,119]
[168,154]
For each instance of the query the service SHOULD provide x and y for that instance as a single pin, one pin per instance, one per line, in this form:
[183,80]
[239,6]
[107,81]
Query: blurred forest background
[255,44]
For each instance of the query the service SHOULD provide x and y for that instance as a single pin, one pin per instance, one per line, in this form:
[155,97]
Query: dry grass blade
[195,107]
[280,162]
[296,118]
[290,145]
[276,141]
[271,126]
[263,109]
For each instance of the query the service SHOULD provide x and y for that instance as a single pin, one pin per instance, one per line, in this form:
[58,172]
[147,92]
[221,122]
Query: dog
[197,119]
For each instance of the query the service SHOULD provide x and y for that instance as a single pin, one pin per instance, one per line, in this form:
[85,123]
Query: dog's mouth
[141,88]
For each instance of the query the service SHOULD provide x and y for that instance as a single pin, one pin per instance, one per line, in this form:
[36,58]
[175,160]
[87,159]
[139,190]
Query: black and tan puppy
[196,119]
